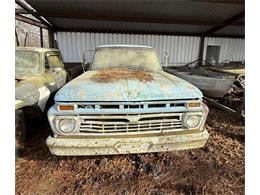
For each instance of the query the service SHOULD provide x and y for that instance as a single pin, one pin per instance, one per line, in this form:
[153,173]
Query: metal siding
[181,49]
[84,44]
[230,49]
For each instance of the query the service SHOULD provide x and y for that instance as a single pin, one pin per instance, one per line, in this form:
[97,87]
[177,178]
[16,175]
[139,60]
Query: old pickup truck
[126,104]
[39,73]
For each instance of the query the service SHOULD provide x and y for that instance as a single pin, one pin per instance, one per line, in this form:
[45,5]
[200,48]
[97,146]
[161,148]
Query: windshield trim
[138,48]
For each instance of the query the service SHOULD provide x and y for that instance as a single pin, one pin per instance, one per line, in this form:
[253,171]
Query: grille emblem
[133,118]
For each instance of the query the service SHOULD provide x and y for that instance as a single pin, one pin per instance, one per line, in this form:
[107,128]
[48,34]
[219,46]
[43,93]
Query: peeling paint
[163,86]
[109,146]
[107,75]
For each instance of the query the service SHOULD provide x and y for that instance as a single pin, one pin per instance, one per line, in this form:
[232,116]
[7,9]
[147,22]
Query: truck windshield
[27,62]
[140,58]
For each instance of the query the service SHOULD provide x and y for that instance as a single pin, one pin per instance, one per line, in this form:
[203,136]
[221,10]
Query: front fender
[19,104]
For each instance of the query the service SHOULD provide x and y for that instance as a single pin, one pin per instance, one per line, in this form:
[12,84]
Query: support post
[41,37]
[16,38]
[201,49]
[51,38]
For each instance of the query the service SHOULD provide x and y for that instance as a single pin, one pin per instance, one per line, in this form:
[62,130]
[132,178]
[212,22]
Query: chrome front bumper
[64,146]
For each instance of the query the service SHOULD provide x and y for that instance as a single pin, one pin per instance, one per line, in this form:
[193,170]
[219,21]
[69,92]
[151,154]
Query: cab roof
[37,49]
[124,46]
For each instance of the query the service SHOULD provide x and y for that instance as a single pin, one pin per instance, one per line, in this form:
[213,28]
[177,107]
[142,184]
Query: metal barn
[187,30]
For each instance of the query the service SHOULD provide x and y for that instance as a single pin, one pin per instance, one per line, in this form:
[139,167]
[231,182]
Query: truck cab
[126,104]
[39,73]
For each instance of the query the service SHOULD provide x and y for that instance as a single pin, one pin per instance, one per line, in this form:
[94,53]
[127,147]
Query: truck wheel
[20,132]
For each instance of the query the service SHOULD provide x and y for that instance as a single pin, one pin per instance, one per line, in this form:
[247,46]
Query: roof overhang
[197,17]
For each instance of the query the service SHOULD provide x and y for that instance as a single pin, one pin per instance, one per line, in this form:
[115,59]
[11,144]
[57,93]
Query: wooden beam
[225,23]
[30,21]
[21,11]
[33,12]
[140,19]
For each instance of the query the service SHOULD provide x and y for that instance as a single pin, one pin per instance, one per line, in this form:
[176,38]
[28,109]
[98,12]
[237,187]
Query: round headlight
[67,125]
[27,92]
[192,121]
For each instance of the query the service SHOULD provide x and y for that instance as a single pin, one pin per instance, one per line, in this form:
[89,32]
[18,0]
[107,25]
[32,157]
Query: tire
[20,132]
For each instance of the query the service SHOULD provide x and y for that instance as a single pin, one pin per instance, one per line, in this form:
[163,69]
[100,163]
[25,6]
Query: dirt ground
[217,168]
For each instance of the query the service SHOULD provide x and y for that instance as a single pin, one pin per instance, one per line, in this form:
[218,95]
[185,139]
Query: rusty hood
[125,86]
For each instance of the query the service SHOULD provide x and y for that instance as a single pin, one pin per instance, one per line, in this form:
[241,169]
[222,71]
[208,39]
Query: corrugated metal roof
[235,30]
[60,14]
[73,25]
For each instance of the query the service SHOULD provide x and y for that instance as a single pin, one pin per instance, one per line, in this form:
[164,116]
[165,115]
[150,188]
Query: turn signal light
[193,104]
[66,107]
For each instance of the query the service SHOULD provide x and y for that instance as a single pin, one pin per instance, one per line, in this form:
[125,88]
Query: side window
[53,61]
[47,66]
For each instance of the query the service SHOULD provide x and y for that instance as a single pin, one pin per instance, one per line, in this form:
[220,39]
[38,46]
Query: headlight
[67,125]
[27,92]
[192,121]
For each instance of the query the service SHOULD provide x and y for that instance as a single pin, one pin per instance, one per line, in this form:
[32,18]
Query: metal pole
[16,38]
[201,49]
[51,38]
[41,37]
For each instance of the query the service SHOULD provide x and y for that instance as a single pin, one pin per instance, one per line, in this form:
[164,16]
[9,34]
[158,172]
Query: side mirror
[84,61]
[87,65]
[166,59]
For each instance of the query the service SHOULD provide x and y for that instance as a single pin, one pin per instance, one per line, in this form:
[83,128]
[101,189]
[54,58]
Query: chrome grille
[135,123]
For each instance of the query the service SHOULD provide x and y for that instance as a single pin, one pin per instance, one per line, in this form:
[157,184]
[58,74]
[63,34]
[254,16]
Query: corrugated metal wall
[230,49]
[181,49]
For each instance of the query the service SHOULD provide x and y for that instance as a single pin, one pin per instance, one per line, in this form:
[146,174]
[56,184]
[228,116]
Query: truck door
[55,71]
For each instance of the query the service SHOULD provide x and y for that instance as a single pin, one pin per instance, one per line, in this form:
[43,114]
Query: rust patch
[107,75]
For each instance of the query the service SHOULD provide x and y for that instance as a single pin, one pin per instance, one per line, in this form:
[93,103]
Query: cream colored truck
[39,73]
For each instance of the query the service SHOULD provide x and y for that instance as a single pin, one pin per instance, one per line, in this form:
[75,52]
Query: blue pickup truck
[126,104]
